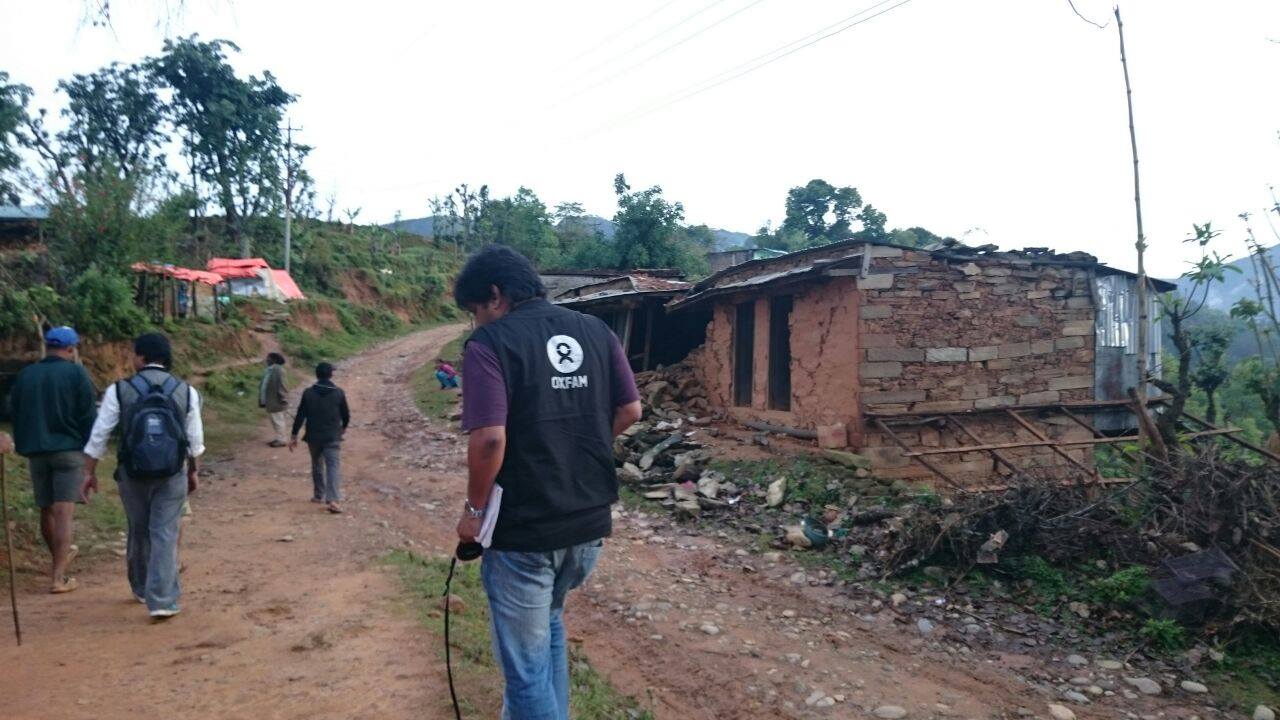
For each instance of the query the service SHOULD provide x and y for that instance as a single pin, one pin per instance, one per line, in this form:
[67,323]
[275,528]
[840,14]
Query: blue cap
[61,337]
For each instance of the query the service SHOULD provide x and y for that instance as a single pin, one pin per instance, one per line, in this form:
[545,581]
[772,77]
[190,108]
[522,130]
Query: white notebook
[490,516]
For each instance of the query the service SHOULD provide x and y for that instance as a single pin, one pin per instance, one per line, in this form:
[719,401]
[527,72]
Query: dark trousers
[326,471]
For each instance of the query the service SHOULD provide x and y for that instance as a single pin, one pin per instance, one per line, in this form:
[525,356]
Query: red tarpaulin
[181,273]
[287,285]
[237,267]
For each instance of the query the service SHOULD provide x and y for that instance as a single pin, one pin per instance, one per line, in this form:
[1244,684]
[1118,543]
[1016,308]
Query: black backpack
[153,439]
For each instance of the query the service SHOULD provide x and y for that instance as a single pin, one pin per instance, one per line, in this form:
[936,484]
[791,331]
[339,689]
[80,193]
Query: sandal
[334,508]
[67,585]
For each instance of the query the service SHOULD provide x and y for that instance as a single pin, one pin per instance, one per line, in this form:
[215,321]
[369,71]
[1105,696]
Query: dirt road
[288,612]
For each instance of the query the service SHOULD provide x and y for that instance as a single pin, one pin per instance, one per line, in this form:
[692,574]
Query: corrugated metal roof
[24,212]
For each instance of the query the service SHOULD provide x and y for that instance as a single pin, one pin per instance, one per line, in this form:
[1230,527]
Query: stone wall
[947,337]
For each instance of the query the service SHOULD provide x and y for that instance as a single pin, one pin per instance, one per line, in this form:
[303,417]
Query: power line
[610,38]
[650,39]
[755,63]
[662,52]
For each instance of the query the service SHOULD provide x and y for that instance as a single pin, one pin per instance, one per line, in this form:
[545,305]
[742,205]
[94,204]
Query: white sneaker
[165,613]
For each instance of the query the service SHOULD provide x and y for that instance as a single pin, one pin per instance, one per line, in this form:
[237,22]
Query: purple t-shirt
[484,395]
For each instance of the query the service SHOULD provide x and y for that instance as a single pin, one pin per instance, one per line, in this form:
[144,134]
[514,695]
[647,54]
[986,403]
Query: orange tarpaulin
[181,273]
[237,267]
[287,285]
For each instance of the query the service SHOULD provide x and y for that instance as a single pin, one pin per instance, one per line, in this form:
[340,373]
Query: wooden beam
[1083,405]
[996,454]
[648,337]
[907,453]
[1047,443]
[1237,440]
[1092,472]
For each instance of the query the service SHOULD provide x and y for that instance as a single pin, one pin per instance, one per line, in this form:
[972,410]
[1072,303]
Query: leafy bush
[1123,586]
[1165,635]
[101,305]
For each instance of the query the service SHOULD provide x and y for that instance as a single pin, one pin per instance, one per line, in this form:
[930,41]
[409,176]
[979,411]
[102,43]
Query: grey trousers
[326,471]
[154,509]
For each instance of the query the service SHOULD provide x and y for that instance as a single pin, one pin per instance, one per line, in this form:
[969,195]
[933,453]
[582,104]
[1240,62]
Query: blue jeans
[526,602]
[154,508]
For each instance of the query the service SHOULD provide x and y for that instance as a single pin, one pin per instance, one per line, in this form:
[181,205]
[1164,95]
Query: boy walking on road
[323,409]
[548,389]
[53,413]
[160,430]
[273,396]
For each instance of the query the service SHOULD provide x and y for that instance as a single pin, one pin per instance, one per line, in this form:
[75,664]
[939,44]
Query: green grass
[358,327]
[433,402]
[591,697]
[1249,675]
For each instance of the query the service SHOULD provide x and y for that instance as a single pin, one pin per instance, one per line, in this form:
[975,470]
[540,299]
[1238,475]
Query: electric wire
[648,40]
[663,51]
[610,38]
[757,62]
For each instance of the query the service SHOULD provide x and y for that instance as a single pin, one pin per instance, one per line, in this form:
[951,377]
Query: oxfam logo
[564,353]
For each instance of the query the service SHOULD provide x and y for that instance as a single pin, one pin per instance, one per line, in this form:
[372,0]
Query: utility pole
[290,177]
[1139,394]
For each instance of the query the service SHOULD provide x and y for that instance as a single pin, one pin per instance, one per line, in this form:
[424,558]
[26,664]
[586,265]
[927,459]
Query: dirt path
[310,628]
[689,624]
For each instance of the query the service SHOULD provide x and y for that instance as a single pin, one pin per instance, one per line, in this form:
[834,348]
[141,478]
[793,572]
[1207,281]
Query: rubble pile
[672,392]
[666,463]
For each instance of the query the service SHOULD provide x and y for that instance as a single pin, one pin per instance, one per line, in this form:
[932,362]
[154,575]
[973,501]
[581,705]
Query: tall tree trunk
[1211,411]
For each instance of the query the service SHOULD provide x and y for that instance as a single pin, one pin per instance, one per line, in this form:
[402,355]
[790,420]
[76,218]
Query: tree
[13,116]
[114,116]
[915,237]
[1211,342]
[1178,310]
[821,211]
[521,221]
[647,226]
[231,127]
[582,245]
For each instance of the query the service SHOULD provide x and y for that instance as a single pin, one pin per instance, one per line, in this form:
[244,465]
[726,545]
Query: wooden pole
[1141,244]
[8,541]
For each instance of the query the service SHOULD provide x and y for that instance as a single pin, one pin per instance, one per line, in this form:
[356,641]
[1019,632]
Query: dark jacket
[324,410]
[53,407]
[558,478]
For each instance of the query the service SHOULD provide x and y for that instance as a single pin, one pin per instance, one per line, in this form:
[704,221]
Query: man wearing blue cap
[53,414]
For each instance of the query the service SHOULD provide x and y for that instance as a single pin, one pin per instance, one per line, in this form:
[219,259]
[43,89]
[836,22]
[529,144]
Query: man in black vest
[548,389]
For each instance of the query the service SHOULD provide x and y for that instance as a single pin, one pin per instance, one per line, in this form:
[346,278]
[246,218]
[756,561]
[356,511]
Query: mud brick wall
[824,359]
[944,336]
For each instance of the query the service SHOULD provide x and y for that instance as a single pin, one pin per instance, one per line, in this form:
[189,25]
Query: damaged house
[957,364]
[633,306]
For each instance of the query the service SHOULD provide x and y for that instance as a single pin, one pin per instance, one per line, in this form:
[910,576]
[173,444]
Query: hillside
[724,239]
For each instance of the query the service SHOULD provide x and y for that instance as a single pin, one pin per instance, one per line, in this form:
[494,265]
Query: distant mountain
[729,240]
[724,239]
[1235,286]
[417,226]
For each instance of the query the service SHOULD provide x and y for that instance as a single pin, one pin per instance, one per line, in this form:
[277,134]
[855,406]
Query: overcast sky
[1003,119]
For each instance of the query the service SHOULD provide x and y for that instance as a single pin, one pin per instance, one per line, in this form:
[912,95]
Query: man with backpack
[323,409]
[52,404]
[160,432]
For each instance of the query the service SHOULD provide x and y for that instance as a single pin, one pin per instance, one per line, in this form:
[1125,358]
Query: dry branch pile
[1210,527]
